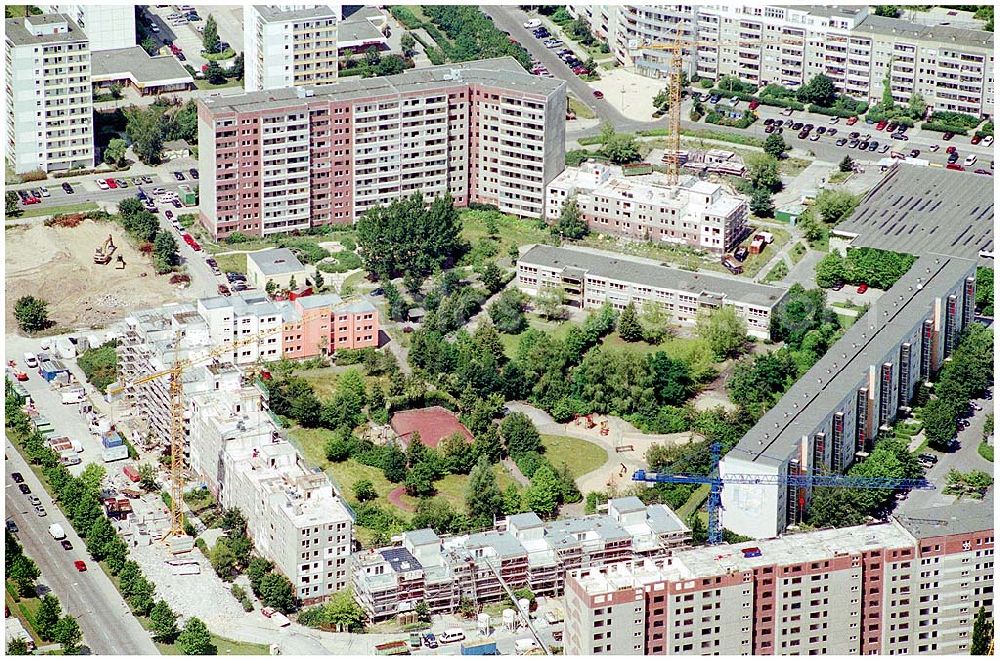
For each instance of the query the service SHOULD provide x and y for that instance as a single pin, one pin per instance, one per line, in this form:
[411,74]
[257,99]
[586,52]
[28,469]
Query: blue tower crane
[715,481]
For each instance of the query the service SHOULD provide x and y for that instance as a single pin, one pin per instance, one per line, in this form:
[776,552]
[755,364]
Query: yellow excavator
[102,255]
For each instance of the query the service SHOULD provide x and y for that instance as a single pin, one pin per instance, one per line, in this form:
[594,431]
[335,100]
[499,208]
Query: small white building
[278,265]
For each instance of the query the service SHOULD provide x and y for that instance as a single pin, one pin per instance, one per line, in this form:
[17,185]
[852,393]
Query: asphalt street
[107,624]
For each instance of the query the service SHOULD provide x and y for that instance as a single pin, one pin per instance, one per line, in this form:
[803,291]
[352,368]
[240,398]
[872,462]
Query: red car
[852,121]
[976,139]
[879,126]
[80,566]
[951,149]
[955,166]
[862,288]
[111,183]
[754,104]
[598,94]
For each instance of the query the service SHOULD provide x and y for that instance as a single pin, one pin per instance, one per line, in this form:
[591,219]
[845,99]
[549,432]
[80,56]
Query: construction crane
[676,50]
[716,481]
[176,396]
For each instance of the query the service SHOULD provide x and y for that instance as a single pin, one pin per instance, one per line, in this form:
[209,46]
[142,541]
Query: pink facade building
[318,325]
[283,160]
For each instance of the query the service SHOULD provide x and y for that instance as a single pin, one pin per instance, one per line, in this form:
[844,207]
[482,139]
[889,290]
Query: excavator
[102,255]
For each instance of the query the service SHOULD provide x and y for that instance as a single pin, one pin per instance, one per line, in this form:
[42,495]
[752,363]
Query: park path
[396,499]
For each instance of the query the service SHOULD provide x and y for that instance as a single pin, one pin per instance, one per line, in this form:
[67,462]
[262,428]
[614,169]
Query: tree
[549,301]
[407,43]
[236,69]
[256,570]
[404,236]
[17,646]
[11,201]
[419,480]
[364,490]
[423,612]
[670,379]
[394,464]
[835,206]
[982,633]
[654,319]
[939,423]
[483,499]
[215,74]
[114,153]
[146,128]
[543,494]
[775,146]
[277,592]
[67,633]
[763,172]
[830,270]
[918,106]
[318,281]
[820,90]
[621,148]
[372,56]
[47,616]
[147,478]
[210,36]
[513,503]
[223,559]
[492,278]
[628,324]
[23,571]
[761,203]
[519,434]
[233,520]
[164,622]
[571,224]
[195,638]
[846,165]
[31,313]
[662,100]
[889,11]
[724,330]
[507,312]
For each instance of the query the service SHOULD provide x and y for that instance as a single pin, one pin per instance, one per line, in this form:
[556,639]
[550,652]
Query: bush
[405,16]
[838,112]
[38,175]
[955,119]
[943,128]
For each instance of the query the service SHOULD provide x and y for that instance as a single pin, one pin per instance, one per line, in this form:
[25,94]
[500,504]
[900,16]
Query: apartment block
[49,98]
[589,278]
[837,410]
[897,587]
[108,27]
[952,68]
[293,514]
[523,551]
[242,318]
[289,45]
[290,159]
[696,213]
[320,325]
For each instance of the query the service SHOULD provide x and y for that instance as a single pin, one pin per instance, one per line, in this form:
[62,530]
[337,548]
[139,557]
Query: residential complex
[523,551]
[951,68]
[286,160]
[108,27]
[696,213]
[49,98]
[289,45]
[589,278]
[898,587]
[852,394]
[293,514]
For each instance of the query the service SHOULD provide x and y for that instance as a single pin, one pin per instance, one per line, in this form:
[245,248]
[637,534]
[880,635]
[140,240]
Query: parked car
[111,183]
[933,147]
[430,641]
[815,137]
[970,160]
[879,126]
[224,290]
[16,476]
[900,136]
[982,171]
[955,166]
[44,191]
[797,126]
[831,131]
[952,149]
[598,94]
[194,173]
[988,140]
[947,136]
[179,176]
[66,544]
[754,104]
[24,489]
[914,153]
[12,527]
[862,288]
[952,158]
[533,23]
[851,121]
[40,511]
[741,253]
[68,189]
[787,112]
[821,129]
[122,183]
[976,139]
[80,565]
[834,120]
[837,286]
[841,142]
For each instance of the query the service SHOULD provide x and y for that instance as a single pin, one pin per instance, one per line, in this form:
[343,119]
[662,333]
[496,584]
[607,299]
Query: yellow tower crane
[176,395]
[676,50]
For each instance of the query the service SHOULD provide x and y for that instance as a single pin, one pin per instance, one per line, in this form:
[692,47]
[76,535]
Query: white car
[988,140]
[970,160]
[103,185]
[787,112]
[154,28]
[834,120]
[44,191]
[532,24]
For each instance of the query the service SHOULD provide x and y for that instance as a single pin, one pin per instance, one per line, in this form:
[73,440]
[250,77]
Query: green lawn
[558,330]
[323,381]
[797,252]
[581,109]
[204,84]
[223,647]
[754,262]
[232,263]
[24,609]
[615,341]
[510,230]
[986,451]
[579,455]
[38,211]
[846,321]
[694,502]
[453,487]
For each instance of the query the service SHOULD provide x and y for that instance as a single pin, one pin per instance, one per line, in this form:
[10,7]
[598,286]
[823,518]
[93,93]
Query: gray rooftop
[625,269]
[358,27]
[422,536]
[943,34]
[921,210]
[136,63]
[804,407]
[274,14]
[19,35]
[276,262]
[962,517]
[502,72]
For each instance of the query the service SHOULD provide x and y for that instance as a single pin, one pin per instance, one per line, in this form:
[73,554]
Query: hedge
[782,102]
[987,129]
[954,118]
[943,128]
[743,96]
[719,119]
[405,16]
[898,115]
[838,112]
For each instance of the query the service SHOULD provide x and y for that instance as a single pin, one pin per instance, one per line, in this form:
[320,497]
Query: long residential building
[294,516]
[697,214]
[50,124]
[907,586]
[589,278]
[286,160]
[523,551]
[853,393]
[950,67]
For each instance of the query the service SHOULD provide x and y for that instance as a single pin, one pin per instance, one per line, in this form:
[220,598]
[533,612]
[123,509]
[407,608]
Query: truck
[480,647]
[56,531]
[65,348]
[398,647]
[73,397]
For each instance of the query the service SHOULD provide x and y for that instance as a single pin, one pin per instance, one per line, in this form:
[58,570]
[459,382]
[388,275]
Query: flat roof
[943,34]
[803,408]
[359,29]
[135,63]
[276,261]
[501,71]
[961,517]
[19,35]
[921,210]
[275,13]
[626,268]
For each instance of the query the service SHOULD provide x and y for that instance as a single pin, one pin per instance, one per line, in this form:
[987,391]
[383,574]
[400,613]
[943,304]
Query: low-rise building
[890,588]
[695,213]
[321,324]
[523,551]
[589,278]
[134,68]
[278,265]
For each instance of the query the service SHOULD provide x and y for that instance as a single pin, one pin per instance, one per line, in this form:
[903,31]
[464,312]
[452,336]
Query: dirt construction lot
[56,264]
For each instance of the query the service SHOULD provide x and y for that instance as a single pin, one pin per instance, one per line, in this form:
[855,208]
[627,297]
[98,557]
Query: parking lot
[173,27]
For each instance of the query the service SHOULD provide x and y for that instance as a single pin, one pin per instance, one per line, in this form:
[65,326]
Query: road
[108,626]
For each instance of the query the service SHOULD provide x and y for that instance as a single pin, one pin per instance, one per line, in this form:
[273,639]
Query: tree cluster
[52,625]
[144,226]
[167,119]
[871,266]
[31,314]
[472,36]
[231,554]
[341,613]
[407,237]
[966,375]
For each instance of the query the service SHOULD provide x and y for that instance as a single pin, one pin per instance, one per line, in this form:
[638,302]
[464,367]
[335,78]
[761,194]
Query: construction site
[86,279]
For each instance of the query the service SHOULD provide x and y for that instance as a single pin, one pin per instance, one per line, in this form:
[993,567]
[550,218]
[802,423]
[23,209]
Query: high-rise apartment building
[951,68]
[286,160]
[899,587]
[289,45]
[49,97]
[108,27]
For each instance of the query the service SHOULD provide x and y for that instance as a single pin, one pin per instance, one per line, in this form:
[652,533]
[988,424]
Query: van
[533,23]
[30,360]
[451,635]
[73,397]
[56,531]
